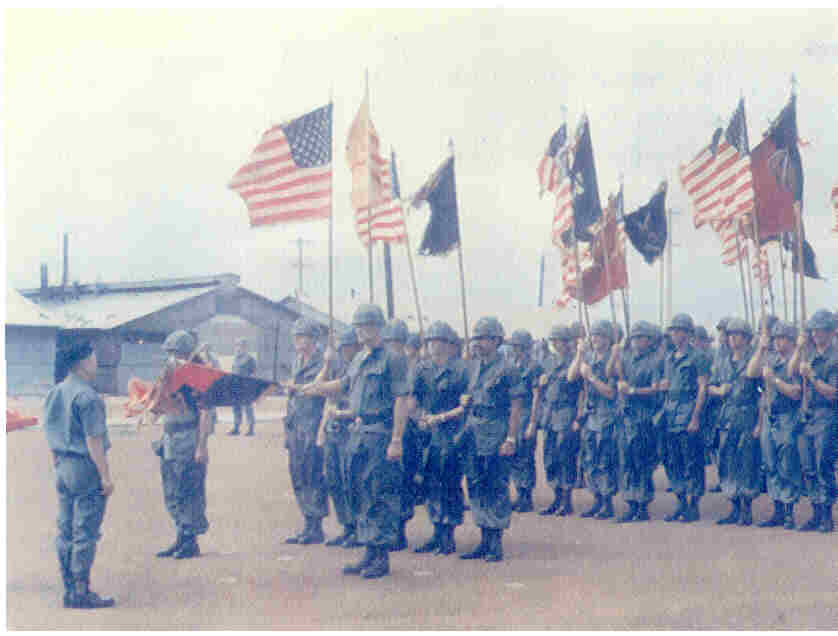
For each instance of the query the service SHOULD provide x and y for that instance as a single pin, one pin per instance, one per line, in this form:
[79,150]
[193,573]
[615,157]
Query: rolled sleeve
[90,410]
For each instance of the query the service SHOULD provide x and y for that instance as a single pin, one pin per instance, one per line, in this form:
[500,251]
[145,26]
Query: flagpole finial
[793,82]
[622,177]
[564,112]
[451,145]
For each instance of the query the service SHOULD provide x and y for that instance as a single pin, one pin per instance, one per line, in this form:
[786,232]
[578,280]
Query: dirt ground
[559,573]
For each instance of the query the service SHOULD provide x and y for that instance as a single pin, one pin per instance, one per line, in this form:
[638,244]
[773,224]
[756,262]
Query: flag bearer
[780,429]
[376,382]
[559,403]
[684,386]
[494,397]
[77,435]
[523,461]
[436,385]
[599,441]
[739,454]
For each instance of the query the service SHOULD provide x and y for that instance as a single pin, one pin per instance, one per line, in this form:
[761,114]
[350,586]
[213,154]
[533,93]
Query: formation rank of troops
[386,423]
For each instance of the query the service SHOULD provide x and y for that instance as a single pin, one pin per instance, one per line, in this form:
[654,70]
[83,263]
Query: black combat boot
[380,565]
[352,540]
[554,507]
[357,568]
[84,598]
[679,511]
[595,508]
[433,543]
[733,517]
[567,505]
[494,552]
[607,511]
[401,540]
[815,522]
[777,518]
[480,551]
[789,517]
[691,513]
[630,514]
[338,540]
[827,525]
[642,512]
[67,578]
[716,488]
[297,538]
[447,545]
[189,549]
[315,532]
[746,518]
[172,548]
[525,500]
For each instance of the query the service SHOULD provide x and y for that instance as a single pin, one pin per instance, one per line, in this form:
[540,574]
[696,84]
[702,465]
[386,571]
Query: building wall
[30,359]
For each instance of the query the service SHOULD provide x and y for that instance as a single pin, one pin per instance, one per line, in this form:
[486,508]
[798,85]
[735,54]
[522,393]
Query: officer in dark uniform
[559,399]
[684,385]
[637,383]
[377,384]
[243,364]
[523,461]
[184,456]
[819,368]
[305,458]
[334,438]
[739,454]
[494,397]
[599,435]
[77,435]
[436,384]
[780,429]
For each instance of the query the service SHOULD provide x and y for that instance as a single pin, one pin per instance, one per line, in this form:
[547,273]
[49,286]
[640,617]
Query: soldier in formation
[243,364]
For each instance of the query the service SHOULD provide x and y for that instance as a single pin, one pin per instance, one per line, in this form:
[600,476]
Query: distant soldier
[377,385]
[780,430]
[493,401]
[684,385]
[637,383]
[819,369]
[184,455]
[243,364]
[334,438]
[77,435]
[305,458]
[711,424]
[523,461]
[739,454]
[436,384]
[599,441]
[559,399]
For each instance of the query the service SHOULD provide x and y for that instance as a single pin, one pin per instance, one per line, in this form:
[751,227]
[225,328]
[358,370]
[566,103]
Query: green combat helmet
[784,330]
[180,342]
[821,319]
[440,330]
[348,339]
[603,328]
[683,322]
[701,334]
[395,330]
[737,325]
[488,327]
[644,329]
[557,332]
[305,327]
[368,315]
[520,338]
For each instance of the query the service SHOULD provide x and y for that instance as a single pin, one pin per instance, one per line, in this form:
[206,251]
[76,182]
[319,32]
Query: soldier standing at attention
[184,455]
[818,438]
[560,402]
[780,430]
[523,461]
[243,364]
[493,404]
[77,435]
[599,443]
[739,454]
[684,384]
[377,385]
[711,421]
[305,457]
[638,378]
[334,438]
[436,385]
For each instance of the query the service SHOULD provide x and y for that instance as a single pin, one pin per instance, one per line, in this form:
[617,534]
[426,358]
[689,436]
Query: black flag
[586,207]
[646,226]
[443,231]
[810,266]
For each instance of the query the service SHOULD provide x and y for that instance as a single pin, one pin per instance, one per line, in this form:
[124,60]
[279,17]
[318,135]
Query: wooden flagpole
[669,265]
[606,257]
[369,185]
[410,264]
[460,259]
[742,275]
[625,290]
[660,290]
[801,269]
[783,280]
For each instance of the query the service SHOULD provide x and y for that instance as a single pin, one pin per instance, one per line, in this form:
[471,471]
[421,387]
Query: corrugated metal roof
[23,312]
[111,310]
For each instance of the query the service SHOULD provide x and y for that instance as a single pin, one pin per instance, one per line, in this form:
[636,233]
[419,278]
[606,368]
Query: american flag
[731,250]
[548,167]
[835,206]
[570,275]
[373,183]
[718,180]
[288,176]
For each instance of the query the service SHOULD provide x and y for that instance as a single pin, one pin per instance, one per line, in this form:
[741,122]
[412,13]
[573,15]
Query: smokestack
[44,280]
[66,274]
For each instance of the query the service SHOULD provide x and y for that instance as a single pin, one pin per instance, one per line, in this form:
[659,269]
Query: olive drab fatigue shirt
[437,389]
[493,384]
[742,401]
[374,380]
[74,411]
[683,373]
[303,410]
[530,371]
[640,370]
[781,408]
[823,412]
[602,411]
[560,396]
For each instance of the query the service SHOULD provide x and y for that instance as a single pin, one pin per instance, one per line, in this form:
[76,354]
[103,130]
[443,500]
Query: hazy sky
[124,128]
